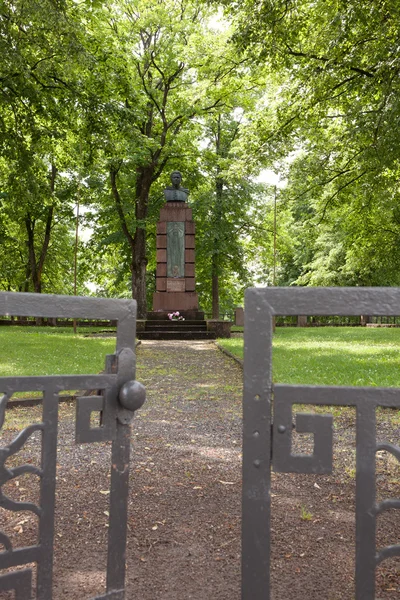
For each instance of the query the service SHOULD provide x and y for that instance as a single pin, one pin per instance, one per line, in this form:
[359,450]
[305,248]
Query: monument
[175,278]
[175,275]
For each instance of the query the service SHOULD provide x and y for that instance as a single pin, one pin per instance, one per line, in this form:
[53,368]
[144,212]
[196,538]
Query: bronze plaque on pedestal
[175,243]
[175,285]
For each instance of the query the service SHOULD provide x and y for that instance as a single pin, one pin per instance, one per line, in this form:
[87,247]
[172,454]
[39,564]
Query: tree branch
[113,176]
[325,60]
[147,91]
[341,188]
[42,60]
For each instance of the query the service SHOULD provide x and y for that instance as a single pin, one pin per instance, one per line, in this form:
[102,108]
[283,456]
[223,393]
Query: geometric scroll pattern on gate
[119,396]
[267,435]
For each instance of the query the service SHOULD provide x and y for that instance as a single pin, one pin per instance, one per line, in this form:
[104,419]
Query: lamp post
[76,248]
[274,267]
[274,259]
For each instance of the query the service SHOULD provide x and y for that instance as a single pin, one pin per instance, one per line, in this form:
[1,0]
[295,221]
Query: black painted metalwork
[261,451]
[120,395]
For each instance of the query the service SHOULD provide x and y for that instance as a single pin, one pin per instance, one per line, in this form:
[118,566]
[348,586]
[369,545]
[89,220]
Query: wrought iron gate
[268,433]
[120,396]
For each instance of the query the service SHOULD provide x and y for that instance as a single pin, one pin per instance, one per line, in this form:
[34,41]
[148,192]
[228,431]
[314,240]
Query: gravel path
[184,508]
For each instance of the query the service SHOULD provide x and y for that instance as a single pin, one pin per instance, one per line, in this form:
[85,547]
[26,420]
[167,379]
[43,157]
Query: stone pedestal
[239,316]
[301,321]
[221,329]
[175,292]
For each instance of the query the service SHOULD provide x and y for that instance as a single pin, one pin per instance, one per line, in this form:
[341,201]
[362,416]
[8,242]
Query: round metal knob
[132,395]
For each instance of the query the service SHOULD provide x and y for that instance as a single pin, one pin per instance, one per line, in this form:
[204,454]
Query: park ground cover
[51,351]
[323,355]
[184,505]
[361,356]
[33,351]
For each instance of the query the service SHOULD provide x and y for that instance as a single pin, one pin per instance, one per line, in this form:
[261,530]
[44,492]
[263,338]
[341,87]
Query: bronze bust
[174,192]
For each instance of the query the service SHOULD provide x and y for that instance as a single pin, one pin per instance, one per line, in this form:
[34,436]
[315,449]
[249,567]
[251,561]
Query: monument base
[188,315]
[172,301]
[159,326]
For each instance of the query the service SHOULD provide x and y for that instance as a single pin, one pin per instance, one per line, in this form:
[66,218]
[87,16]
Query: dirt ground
[184,506]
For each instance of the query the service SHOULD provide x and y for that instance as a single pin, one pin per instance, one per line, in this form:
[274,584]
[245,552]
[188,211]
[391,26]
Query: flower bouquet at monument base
[175,316]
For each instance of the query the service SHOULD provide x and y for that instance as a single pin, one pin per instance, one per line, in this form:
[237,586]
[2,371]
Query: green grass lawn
[323,355]
[51,351]
[360,356]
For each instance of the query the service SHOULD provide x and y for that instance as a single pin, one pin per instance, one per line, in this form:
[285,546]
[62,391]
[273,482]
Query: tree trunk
[215,266]
[138,269]
[215,291]
[219,188]
[139,254]
[30,229]
[36,266]
[27,277]
[137,242]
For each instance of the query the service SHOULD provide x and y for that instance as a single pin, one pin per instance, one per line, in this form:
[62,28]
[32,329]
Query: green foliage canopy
[337,108]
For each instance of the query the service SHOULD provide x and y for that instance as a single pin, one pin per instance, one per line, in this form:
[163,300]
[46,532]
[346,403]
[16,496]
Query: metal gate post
[365,500]
[256,494]
[260,307]
[120,397]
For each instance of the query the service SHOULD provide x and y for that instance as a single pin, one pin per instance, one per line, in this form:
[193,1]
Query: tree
[39,45]
[337,107]
[108,99]
[225,208]
[167,72]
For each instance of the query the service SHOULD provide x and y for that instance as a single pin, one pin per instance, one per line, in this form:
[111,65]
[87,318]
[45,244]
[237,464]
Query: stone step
[176,335]
[189,315]
[176,325]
